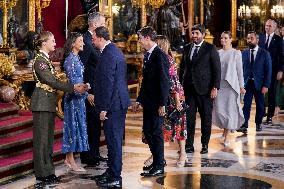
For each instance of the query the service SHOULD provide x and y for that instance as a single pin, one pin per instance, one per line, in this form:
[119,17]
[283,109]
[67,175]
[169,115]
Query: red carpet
[16,140]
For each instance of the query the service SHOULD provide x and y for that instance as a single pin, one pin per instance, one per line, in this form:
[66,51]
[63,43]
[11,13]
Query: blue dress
[75,138]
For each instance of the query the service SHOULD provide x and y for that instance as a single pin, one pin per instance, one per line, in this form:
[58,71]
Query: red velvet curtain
[54,18]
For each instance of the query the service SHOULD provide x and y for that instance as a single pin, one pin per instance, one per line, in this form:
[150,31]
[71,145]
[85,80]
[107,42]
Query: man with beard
[200,74]
[257,69]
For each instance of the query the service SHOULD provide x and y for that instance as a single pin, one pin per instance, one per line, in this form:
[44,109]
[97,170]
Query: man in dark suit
[257,78]
[274,45]
[111,102]
[153,97]
[200,73]
[89,56]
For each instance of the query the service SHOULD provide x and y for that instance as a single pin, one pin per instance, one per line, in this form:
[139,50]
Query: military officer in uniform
[43,105]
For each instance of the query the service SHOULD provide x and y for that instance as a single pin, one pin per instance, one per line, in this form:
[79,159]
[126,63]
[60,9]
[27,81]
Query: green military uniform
[43,105]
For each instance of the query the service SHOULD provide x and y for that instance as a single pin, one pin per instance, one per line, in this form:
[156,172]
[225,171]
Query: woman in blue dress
[75,138]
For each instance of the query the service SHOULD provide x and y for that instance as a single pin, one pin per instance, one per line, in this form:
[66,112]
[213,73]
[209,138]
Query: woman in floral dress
[174,132]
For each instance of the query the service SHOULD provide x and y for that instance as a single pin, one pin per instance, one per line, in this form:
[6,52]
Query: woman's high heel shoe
[77,169]
[181,163]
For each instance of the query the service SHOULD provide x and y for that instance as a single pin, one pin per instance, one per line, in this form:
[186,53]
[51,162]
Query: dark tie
[266,42]
[251,62]
[195,52]
[146,56]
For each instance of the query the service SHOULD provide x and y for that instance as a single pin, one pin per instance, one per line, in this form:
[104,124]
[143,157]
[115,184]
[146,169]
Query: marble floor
[254,161]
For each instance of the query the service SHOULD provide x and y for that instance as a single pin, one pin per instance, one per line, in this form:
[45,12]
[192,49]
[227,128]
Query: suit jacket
[43,100]
[261,68]
[155,87]
[111,91]
[203,72]
[276,51]
[89,56]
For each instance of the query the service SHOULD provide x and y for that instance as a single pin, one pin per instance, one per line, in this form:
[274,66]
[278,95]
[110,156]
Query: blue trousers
[114,128]
[251,92]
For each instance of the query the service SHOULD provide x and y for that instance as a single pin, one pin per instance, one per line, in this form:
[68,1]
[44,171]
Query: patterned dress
[75,138]
[178,131]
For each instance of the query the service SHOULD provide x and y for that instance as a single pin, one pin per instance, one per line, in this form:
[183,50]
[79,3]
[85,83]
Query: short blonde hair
[163,42]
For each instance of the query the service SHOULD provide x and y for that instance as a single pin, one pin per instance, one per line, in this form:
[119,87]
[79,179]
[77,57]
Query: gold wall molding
[234,19]
[31,15]
[202,12]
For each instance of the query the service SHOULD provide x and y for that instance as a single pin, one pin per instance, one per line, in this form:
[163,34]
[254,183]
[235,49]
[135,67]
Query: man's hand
[162,111]
[135,107]
[264,90]
[242,90]
[103,115]
[91,99]
[80,87]
[213,93]
[279,75]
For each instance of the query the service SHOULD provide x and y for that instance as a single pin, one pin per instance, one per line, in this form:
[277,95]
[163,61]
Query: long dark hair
[68,45]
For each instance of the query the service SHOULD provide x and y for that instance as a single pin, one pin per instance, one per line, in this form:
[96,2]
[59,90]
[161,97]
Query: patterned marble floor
[254,161]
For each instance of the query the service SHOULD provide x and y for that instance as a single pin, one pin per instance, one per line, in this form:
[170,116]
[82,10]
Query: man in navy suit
[153,97]
[274,45]
[257,78]
[111,102]
[89,56]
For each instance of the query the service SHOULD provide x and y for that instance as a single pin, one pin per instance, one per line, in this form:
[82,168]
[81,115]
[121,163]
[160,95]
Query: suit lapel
[258,54]
[271,44]
[201,52]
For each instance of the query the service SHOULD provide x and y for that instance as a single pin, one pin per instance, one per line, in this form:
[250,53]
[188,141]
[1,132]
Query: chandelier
[277,11]
[154,3]
[244,12]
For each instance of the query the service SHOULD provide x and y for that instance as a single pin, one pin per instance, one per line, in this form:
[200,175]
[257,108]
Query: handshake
[81,87]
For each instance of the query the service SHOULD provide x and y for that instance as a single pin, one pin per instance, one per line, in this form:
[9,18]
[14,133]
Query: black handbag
[175,115]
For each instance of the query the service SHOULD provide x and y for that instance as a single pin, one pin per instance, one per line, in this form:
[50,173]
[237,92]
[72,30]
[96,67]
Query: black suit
[89,56]
[154,92]
[276,52]
[199,76]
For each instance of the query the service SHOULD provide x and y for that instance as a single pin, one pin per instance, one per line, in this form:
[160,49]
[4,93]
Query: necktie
[195,52]
[146,56]
[251,62]
[266,42]
[251,56]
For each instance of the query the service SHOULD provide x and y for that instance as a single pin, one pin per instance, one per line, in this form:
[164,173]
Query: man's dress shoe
[90,162]
[100,158]
[101,177]
[153,172]
[111,184]
[204,149]
[189,149]
[148,168]
[42,179]
[258,128]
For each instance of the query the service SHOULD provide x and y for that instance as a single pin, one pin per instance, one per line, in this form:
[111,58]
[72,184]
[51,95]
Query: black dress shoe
[111,184]
[189,149]
[90,162]
[269,120]
[258,128]
[153,173]
[42,179]
[243,129]
[54,177]
[204,149]
[100,158]
[149,167]
[101,177]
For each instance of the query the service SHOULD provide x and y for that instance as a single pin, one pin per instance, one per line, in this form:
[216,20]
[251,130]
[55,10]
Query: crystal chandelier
[277,11]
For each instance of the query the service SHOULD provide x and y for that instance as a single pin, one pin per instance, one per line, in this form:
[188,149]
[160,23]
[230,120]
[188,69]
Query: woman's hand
[179,106]
[242,90]
[91,99]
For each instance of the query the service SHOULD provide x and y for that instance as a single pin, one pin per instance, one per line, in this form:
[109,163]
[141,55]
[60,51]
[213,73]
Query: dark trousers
[43,138]
[152,129]
[94,133]
[272,97]
[251,92]
[114,128]
[204,105]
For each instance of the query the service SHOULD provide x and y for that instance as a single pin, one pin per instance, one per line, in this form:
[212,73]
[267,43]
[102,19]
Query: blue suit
[90,56]
[276,51]
[111,95]
[256,76]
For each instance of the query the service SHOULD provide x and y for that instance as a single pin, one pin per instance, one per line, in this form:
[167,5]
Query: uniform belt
[45,87]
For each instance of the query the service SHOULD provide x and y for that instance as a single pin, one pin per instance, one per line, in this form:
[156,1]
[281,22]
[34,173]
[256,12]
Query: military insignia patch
[42,66]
